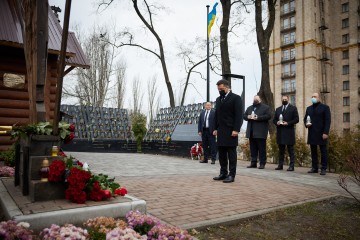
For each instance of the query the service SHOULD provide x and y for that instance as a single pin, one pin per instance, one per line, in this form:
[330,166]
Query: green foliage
[41,128]
[9,156]
[105,182]
[138,126]
[96,235]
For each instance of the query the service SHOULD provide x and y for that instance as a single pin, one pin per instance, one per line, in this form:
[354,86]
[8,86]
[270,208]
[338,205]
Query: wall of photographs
[98,122]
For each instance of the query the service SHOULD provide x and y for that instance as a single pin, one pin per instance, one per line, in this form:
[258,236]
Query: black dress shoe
[220,177]
[261,166]
[229,179]
[279,168]
[213,162]
[290,169]
[313,170]
[204,161]
[252,166]
[323,172]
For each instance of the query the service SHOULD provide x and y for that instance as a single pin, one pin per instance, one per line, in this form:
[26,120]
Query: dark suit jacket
[321,119]
[211,118]
[286,134]
[228,118]
[261,125]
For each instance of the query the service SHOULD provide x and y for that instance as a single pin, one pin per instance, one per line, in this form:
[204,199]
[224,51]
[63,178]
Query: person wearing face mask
[286,116]
[228,120]
[317,120]
[258,116]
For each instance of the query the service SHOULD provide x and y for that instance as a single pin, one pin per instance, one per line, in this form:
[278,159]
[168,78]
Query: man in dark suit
[258,116]
[206,127]
[286,116]
[228,120]
[317,120]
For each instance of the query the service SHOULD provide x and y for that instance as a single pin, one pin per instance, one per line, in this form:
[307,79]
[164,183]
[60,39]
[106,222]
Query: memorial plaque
[186,132]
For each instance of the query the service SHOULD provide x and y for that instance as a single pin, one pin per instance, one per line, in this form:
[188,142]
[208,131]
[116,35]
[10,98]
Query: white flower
[86,166]
[23,224]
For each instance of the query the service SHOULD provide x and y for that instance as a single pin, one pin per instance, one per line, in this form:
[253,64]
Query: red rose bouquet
[57,171]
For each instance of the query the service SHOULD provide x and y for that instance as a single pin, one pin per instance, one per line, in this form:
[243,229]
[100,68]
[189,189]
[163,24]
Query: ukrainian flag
[211,18]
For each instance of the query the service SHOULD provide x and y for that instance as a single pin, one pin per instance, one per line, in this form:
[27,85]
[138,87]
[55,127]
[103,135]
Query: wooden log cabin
[14,97]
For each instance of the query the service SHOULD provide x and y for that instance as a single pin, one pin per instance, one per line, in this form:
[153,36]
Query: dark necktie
[205,118]
[283,110]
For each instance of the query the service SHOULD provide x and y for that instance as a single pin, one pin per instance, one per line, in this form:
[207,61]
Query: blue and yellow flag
[211,18]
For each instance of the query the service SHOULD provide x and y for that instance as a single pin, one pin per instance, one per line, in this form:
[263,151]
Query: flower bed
[136,226]
[6,171]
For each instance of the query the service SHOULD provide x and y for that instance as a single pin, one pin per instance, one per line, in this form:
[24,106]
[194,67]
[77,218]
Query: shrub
[302,152]
[272,149]
[245,149]
[352,163]
[9,156]
[341,147]
[138,126]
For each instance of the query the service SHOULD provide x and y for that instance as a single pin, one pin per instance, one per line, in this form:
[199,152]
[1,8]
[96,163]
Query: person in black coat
[286,116]
[206,128]
[317,120]
[228,120]
[258,116]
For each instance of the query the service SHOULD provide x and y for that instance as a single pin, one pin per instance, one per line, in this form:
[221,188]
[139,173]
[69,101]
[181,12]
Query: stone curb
[234,218]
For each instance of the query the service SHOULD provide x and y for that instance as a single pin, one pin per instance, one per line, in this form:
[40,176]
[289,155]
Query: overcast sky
[180,22]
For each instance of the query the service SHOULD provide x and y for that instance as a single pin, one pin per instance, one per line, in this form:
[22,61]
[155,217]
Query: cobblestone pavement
[181,191]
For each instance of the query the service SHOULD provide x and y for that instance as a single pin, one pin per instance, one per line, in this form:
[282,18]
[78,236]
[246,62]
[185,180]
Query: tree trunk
[224,30]
[263,40]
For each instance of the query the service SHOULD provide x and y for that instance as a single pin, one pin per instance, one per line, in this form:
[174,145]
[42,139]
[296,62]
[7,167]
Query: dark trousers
[258,148]
[227,154]
[209,144]
[314,156]
[290,149]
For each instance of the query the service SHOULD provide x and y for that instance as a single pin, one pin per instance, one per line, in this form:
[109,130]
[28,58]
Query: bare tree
[263,40]
[192,59]
[149,24]
[93,84]
[137,95]
[120,84]
[152,97]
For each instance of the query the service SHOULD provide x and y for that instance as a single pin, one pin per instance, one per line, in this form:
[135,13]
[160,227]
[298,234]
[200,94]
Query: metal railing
[288,74]
[290,89]
[289,26]
[288,41]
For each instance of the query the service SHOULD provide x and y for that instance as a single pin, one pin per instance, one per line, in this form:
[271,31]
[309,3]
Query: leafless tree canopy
[120,84]
[93,85]
[137,95]
[152,92]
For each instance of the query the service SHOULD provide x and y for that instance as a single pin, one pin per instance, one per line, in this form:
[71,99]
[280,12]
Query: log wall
[14,103]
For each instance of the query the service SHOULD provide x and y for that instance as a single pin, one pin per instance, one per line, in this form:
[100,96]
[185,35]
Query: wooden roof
[11,35]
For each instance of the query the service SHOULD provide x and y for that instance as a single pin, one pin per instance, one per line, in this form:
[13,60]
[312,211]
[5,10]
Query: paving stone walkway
[181,191]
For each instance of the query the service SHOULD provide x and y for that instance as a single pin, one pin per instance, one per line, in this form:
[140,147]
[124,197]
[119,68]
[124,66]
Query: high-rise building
[315,48]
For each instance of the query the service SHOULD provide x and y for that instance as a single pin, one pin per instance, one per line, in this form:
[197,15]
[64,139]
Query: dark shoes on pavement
[204,161]
[279,168]
[220,177]
[313,170]
[252,166]
[212,161]
[290,169]
[323,172]
[229,179]
[262,166]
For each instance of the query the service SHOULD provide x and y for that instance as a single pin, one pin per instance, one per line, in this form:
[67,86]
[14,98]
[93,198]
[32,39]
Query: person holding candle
[317,120]
[286,116]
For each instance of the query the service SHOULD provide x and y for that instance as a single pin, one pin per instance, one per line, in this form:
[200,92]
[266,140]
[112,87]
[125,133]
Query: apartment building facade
[315,48]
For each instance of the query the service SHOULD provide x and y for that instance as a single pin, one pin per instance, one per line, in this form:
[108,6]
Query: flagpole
[207,58]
